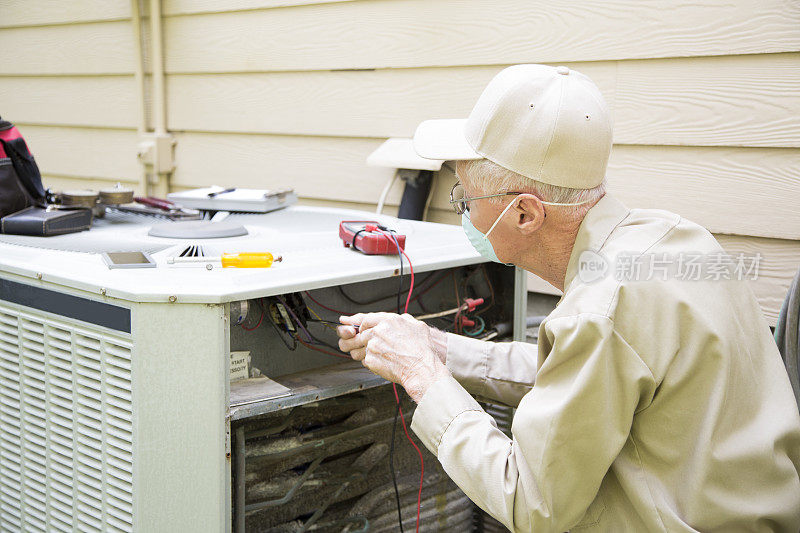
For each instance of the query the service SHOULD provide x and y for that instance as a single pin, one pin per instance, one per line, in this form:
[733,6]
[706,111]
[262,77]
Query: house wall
[705,97]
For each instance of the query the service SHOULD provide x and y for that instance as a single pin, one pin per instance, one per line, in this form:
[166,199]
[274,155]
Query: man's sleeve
[500,371]
[566,432]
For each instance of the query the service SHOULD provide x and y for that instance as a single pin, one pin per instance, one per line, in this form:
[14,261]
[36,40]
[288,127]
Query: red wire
[320,349]
[411,288]
[397,396]
[410,267]
[421,460]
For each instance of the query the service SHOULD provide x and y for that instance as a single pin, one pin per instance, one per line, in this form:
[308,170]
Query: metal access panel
[100,428]
[66,424]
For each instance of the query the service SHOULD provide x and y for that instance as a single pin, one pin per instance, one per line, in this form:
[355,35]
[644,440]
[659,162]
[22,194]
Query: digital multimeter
[369,237]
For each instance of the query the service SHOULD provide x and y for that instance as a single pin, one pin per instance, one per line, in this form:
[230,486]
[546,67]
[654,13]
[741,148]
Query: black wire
[391,467]
[491,292]
[325,344]
[400,287]
[353,243]
[319,341]
[397,410]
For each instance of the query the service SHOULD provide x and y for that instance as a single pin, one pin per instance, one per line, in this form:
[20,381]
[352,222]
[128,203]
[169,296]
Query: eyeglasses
[460,201]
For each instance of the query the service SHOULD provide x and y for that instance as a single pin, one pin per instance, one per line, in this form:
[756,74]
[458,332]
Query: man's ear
[529,210]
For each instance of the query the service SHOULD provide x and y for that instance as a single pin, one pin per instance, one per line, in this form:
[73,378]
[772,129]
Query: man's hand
[398,348]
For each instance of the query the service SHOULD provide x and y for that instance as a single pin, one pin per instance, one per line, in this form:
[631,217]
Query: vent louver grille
[66,461]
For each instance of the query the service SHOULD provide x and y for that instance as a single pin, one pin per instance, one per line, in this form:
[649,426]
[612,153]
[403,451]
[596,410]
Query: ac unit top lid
[306,237]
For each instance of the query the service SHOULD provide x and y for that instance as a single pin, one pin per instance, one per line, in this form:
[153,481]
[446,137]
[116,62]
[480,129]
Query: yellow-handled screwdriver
[239,260]
[248,260]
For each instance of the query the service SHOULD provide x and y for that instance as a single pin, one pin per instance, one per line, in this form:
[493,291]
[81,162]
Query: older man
[656,401]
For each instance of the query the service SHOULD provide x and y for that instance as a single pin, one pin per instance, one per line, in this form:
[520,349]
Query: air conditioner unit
[117,412]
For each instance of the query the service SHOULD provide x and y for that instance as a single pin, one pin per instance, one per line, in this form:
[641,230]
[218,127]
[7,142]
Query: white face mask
[480,241]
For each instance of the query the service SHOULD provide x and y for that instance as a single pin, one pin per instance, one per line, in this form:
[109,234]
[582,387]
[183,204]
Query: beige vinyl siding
[780,260]
[185,7]
[412,33]
[79,49]
[101,101]
[751,100]
[69,87]
[705,97]
[84,153]
[23,13]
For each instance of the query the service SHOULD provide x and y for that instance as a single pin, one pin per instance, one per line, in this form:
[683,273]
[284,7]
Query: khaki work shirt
[656,404]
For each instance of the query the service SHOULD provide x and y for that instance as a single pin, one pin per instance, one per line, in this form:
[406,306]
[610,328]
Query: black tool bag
[20,180]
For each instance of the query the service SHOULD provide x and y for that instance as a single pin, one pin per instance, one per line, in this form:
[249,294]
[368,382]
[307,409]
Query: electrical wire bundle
[311,341]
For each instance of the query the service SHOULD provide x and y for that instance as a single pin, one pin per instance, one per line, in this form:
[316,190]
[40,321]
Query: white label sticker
[240,365]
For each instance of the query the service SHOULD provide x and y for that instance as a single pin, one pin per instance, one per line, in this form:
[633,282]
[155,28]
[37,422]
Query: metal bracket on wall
[157,150]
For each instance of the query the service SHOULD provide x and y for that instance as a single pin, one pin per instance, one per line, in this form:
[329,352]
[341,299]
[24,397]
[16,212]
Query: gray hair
[489,177]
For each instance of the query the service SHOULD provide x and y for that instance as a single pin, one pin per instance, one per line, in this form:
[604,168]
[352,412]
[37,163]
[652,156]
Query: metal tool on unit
[78,198]
[116,195]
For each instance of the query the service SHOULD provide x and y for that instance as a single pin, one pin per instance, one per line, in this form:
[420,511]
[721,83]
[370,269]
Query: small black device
[45,222]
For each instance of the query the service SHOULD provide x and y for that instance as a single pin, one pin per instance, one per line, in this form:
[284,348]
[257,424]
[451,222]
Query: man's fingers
[365,320]
[378,365]
[352,320]
[358,354]
[350,344]
[346,332]
[361,320]
[370,320]
[357,341]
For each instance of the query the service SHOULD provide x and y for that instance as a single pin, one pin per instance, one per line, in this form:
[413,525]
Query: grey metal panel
[311,386]
[59,303]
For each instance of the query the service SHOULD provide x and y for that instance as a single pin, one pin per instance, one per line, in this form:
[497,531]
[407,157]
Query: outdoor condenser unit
[117,410]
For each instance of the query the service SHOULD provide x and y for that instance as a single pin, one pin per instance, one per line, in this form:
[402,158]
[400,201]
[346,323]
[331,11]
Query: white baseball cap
[549,124]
